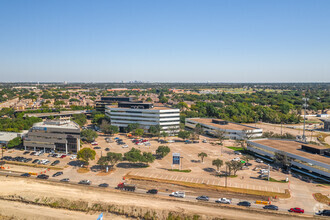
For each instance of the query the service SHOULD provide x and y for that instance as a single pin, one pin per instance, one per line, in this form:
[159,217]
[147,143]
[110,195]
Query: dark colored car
[26,152]
[32,153]
[36,161]
[270,207]
[57,174]
[203,198]
[55,162]
[324,213]
[107,149]
[85,182]
[103,185]
[43,176]
[26,175]
[244,203]
[65,180]
[152,191]
[296,210]
[96,148]
[28,160]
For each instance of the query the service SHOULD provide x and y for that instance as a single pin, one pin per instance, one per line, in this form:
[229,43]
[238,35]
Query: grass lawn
[236,148]
[177,170]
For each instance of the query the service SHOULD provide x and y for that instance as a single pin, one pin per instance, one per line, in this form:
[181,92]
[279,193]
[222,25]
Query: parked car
[204,141]
[324,212]
[63,156]
[259,160]
[223,201]
[178,194]
[170,141]
[73,157]
[85,182]
[94,143]
[97,148]
[43,176]
[26,175]
[36,161]
[57,174]
[271,207]
[103,185]
[55,162]
[203,198]
[152,191]
[65,180]
[107,149]
[244,203]
[237,153]
[125,146]
[32,153]
[296,210]
[26,152]
[187,141]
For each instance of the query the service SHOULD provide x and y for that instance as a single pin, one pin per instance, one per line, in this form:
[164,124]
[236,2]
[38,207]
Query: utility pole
[305,106]
[181,162]
[226,177]
[268,171]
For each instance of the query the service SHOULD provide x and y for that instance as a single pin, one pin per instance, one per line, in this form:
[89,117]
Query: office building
[62,136]
[306,159]
[144,114]
[108,100]
[231,130]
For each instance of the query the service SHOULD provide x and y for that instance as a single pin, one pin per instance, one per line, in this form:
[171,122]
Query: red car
[296,210]
[144,140]
[63,156]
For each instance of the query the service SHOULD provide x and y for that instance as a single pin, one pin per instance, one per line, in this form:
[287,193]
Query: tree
[138,132]
[163,150]
[164,134]
[153,130]
[103,162]
[17,141]
[218,163]
[80,119]
[113,158]
[108,129]
[184,134]
[234,166]
[148,157]
[202,155]
[163,100]
[221,137]
[182,105]
[98,118]
[132,127]
[134,155]
[148,99]
[198,130]
[86,154]
[282,159]
[88,135]
[247,158]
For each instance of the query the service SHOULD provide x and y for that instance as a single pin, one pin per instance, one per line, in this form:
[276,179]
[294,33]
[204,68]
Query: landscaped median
[33,165]
[213,187]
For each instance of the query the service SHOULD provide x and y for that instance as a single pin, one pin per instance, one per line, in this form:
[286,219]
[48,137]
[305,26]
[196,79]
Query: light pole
[226,177]
[305,106]
[181,161]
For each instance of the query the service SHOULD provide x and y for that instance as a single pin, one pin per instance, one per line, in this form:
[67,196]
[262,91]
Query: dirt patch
[322,198]
[82,170]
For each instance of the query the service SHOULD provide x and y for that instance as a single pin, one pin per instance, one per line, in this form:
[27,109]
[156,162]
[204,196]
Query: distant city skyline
[232,41]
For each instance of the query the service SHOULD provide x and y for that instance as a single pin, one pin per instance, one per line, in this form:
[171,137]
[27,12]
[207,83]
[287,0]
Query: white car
[59,155]
[237,153]
[236,159]
[170,141]
[223,201]
[178,194]
[259,160]
[73,157]
[125,146]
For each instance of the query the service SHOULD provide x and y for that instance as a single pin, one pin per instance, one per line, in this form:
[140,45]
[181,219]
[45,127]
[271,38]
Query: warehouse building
[306,159]
[62,136]
[231,130]
[144,114]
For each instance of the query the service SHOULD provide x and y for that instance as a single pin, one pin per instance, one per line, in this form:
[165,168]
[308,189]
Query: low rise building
[5,137]
[231,130]
[144,114]
[62,136]
[307,159]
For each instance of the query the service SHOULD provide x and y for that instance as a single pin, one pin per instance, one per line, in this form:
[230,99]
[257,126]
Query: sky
[165,40]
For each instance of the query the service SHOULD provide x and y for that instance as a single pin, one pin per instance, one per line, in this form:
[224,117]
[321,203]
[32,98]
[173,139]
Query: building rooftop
[154,108]
[65,124]
[292,147]
[54,114]
[7,136]
[228,126]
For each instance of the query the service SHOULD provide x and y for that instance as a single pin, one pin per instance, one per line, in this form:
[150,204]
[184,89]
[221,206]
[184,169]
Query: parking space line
[176,178]
[197,181]
[181,178]
[213,182]
[207,182]
[219,183]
